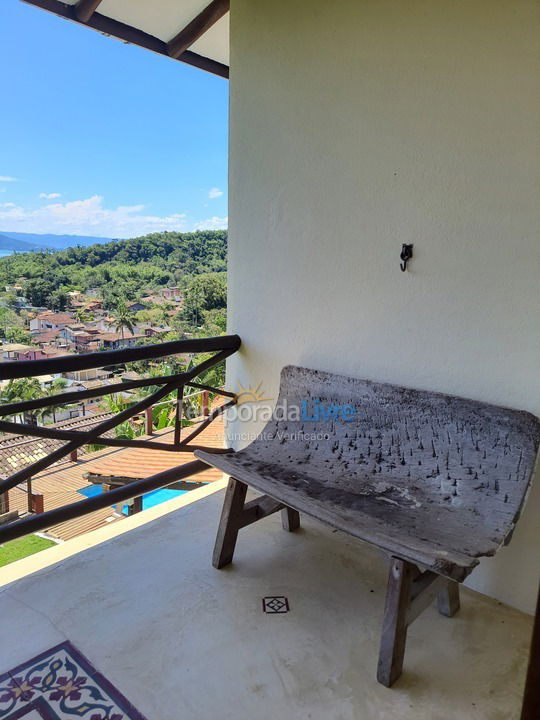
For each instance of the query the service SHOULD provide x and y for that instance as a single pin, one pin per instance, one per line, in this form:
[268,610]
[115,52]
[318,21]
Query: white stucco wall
[357,125]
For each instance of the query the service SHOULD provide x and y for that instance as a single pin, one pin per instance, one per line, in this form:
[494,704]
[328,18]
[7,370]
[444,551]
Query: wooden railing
[223,347]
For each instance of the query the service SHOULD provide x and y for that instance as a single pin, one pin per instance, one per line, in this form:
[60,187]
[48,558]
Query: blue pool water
[156,497]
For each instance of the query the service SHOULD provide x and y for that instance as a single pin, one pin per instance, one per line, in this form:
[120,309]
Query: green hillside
[124,268]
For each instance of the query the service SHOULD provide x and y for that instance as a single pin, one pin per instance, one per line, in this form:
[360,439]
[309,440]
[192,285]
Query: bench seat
[434,480]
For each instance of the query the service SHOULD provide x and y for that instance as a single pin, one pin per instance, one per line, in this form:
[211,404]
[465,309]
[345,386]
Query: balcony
[65,442]
[179,639]
[290,629]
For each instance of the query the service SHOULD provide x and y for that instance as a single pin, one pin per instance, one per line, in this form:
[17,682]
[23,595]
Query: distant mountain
[55,242]
[11,243]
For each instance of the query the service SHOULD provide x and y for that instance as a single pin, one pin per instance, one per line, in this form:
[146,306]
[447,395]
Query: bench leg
[230,523]
[237,514]
[290,519]
[394,630]
[410,591]
[448,599]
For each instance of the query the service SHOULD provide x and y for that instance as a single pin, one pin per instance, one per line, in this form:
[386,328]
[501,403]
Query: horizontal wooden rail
[217,391]
[93,435]
[36,523]
[90,437]
[216,351]
[91,420]
[204,424]
[87,361]
[52,433]
[76,396]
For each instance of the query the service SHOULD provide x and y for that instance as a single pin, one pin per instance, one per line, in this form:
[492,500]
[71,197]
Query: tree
[57,386]
[115,293]
[58,300]
[38,291]
[125,267]
[83,315]
[11,300]
[215,322]
[129,429]
[214,376]
[123,318]
[207,291]
[156,315]
[17,335]
[8,319]
[24,389]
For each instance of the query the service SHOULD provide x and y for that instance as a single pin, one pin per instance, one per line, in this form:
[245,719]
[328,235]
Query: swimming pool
[156,497]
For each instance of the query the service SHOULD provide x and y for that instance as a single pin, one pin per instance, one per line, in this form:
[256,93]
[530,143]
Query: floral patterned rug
[61,684]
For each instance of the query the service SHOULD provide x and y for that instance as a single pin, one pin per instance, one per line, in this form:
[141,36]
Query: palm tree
[83,315]
[123,318]
[24,389]
[30,389]
[56,388]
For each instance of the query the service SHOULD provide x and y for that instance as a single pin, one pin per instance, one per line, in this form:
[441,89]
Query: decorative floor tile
[275,604]
[61,684]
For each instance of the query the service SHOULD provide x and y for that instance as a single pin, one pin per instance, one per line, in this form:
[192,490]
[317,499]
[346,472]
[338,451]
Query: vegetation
[23,547]
[121,272]
[30,389]
[17,335]
[123,269]
[123,318]
[204,292]
[10,321]
[58,300]
[21,390]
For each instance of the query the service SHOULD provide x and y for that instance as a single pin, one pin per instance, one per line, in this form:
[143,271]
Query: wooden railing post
[4,503]
[224,346]
[149,421]
[38,503]
[178,417]
[29,502]
[134,506]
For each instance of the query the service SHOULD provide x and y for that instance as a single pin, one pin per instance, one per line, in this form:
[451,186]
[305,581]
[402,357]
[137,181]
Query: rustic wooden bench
[435,481]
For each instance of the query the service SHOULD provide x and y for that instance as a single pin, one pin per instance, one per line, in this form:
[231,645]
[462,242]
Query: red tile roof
[60,484]
[46,336]
[55,317]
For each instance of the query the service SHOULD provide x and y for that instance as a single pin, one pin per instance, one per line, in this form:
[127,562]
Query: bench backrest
[468,454]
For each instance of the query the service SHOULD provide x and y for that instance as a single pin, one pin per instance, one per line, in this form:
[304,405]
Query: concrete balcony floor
[184,641]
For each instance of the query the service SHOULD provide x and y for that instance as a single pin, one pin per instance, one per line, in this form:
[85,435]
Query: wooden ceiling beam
[129,34]
[197,27]
[84,9]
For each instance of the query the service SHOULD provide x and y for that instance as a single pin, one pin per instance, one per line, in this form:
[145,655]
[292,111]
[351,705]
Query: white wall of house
[356,126]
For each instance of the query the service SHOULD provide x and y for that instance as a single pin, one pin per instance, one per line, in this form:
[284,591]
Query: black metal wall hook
[406,255]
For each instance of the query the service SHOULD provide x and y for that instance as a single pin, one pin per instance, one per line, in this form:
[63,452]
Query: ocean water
[3,253]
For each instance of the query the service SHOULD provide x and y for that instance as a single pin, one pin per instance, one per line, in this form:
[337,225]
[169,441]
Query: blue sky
[102,138]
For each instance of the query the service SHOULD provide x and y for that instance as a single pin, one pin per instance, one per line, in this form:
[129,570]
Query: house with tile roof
[49,321]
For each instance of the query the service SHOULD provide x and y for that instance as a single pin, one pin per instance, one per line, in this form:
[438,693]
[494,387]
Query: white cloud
[213,223]
[7,178]
[215,193]
[88,217]
[7,205]
[49,196]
